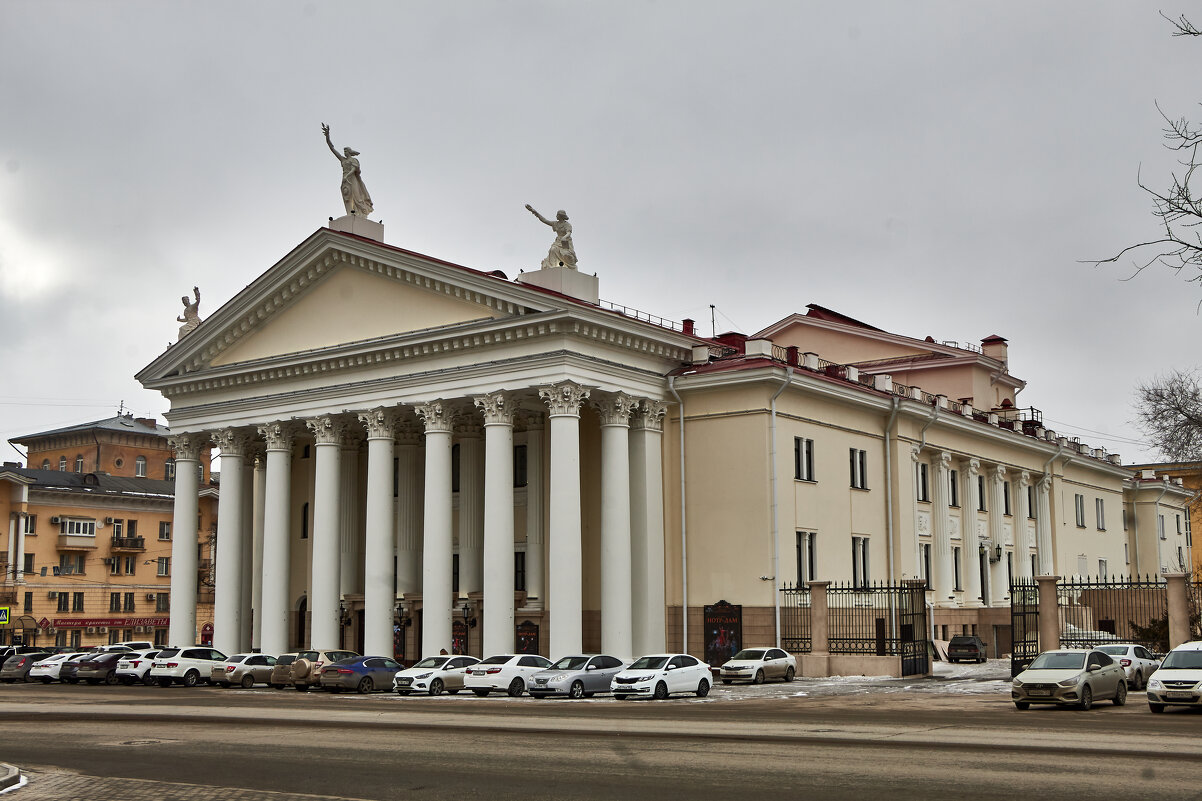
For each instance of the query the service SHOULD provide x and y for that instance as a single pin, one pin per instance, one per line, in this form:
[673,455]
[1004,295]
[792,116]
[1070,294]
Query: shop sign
[723,629]
[111,622]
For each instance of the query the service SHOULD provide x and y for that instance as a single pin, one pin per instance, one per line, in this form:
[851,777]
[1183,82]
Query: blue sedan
[361,673]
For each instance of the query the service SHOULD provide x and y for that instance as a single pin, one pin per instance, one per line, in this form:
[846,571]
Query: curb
[10,776]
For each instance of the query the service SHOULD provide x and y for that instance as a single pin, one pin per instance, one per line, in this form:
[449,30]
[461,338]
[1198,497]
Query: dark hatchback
[966,648]
[16,667]
[98,668]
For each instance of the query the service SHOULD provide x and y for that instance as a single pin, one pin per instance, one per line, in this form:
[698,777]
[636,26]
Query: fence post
[817,662]
[1178,609]
[1049,613]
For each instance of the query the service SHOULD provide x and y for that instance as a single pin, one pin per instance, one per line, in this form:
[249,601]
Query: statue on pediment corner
[354,192]
[191,316]
[562,252]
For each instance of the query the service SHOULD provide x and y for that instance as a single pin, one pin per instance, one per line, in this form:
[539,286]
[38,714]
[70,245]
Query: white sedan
[659,675]
[47,670]
[758,664]
[1138,662]
[506,672]
[433,675]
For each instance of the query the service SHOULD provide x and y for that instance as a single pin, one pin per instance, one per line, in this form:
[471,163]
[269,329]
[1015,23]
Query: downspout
[889,486]
[922,435]
[775,518]
[684,547]
[1156,514]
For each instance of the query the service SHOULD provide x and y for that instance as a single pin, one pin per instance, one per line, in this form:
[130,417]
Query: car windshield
[238,657]
[1114,650]
[286,659]
[496,660]
[649,663]
[571,663]
[750,655]
[1183,660]
[433,662]
[166,652]
[1056,661]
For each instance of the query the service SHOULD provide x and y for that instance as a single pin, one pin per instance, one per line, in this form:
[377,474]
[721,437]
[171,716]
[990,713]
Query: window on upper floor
[31,525]
[1032,507]
[164,529]
[64,602]
[140,467]
[519,466]
[957,570]
[519,570]
[1079,507]
[77,602]
[114,602]
[803,459]
[859,468]
[860,576]
[169,470]
[79,464]
[953,488]
[164,566]
[62,464]
[807,557]
[1006,498]
[304,521]
[921,482]
[982,506]
[45,464]
[1100,512]
[1160,527]
[118,528]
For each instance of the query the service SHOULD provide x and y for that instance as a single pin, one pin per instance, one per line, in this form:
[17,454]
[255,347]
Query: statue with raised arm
[191,318]
[562,252]
[354,193]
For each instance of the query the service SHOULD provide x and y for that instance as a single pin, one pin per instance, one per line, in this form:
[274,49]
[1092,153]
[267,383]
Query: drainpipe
[889,487]
[1156,515]
[775,525]
[684,543]
[922,435]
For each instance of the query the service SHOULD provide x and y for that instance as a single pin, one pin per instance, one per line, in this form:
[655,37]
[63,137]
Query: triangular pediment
[351,305]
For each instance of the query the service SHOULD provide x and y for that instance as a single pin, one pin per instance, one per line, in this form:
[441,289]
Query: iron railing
[795,619]
[872,619]
[1114,609]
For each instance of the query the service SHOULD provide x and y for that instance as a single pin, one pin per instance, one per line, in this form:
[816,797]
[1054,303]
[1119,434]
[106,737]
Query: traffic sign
[4,615]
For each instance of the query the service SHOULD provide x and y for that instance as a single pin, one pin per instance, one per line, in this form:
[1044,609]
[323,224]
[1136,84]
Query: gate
[913,630]
[1024,624]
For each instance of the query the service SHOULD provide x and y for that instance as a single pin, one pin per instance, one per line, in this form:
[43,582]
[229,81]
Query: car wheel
[1155,707]
[516,688]
[480,693]
[436,687]
[191,678]
[72,681]
[576,690]
[1140,681]
[703,689]
[365,685]
[661,691]
[621,696]
[1120,694]
[759,677]
[1022,706]
[1086,702]
[790,673]
[111,678]
[248,681]
[147,680]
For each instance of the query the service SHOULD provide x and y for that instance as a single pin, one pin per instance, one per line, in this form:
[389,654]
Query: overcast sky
[931,168]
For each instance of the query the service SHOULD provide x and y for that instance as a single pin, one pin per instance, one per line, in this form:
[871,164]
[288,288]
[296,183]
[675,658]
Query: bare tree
[1169,411]
[1177,209]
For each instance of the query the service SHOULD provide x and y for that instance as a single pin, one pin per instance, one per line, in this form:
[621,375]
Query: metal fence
[795,619]
[874,619]
[1116,609]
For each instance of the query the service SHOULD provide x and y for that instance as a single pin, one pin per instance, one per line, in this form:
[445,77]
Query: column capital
[649,415]
[233,441]
[1024,478]
[915,453]
[615,409]
[279,435]
[328,429]
[973,466]
[380,422]
[564,399]
[943,461]
[999,472]
[1045,483]
[187,447]
[437,415]
[497,407]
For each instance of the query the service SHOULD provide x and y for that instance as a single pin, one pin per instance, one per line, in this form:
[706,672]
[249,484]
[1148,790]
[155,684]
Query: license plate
[477,672]
[404,682]
[1180,696]
[1041,692]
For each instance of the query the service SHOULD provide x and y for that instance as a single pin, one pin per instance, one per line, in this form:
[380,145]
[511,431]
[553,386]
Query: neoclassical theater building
[418,456]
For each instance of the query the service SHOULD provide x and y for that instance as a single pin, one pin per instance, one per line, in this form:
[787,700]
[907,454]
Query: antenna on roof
[121,409]
[713,325]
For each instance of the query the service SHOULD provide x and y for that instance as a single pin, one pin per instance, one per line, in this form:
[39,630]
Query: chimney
[733,339]
[689,326]
[149,422]
[995,348]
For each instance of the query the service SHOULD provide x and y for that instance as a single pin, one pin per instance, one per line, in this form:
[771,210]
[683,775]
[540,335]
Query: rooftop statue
[354,193]
[191,318]
[562,252]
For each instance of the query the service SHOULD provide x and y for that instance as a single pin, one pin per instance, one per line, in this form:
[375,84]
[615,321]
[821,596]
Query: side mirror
[670,667]
[591,667]
[1093,668]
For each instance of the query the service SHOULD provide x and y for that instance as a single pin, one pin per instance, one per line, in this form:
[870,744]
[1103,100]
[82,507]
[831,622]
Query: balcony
[76,542]
[129,544]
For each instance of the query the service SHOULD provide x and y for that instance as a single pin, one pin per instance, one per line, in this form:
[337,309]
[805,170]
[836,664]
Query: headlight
[1155,684]
[1016,683]
[642,679]
[422,676]
[1071,682]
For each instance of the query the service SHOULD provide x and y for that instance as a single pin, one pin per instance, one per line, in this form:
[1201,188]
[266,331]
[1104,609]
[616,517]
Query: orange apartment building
[86,554]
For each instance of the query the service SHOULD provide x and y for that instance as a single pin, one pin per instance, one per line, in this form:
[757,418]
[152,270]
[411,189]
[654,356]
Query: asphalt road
[131,743]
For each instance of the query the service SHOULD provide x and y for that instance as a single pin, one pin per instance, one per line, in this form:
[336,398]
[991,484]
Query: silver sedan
[579,676]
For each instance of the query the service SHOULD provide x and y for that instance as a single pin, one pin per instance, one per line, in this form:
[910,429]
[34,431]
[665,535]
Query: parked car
[306,668]
[17,667]
[47,670]
[510,673]
[281,674]
[12,650]
[1070,678]
[579,676]
[363,674]
[134,667]
[66,673]
[129,645]
[1179,679]
[97,668]
[433,675]
[245,670]
[1137,662]
[965,647]
[758,664]
[186,666]
[659,675]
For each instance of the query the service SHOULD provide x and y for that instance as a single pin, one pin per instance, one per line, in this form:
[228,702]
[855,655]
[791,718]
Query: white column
[998,585]
[1022,541]
[17,526]
[256,587]
[245,603]
[350,528]
[1043,527]
[182,630]
[408,512]
[941,558]
[971,561]
[565,603]
[436,550]
[227,603]
[535,541]
[14,522]
[498,634]
[471,507]
[276,529]
[378,594]
[647,528]
[616,620]
[326,536]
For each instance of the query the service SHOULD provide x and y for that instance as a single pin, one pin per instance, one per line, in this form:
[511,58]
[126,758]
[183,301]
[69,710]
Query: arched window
[45,464]
[140,467]
[62,463]
[79,464]
[169,470]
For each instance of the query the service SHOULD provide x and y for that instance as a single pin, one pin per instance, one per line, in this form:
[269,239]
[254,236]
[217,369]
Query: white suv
[1179,679]
[134,667]
[186,666]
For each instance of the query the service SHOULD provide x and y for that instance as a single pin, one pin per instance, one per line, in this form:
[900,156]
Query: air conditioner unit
[54,521]
[90,629]
[52,595]
[108,560]
[150,596]
[52,630]
[139,629]
[103,630]
[108,521]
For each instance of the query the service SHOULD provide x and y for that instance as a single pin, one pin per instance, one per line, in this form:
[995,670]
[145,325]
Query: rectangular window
[28,566]
[131,562]
[131,528]
[519,570]
[1034,565]
[1124,518]
[160,637]
[118,528]
[455,467]
[164,566]
[803,459]
[114,602]
[164,529]
[162,602]
[1178,524]
[859,562]
[859,468]
[926,562]
[1102,573]
[1079,505]
[956,572]
[519,466]
[1126,554]
[64,602]
[77,528]
[454,572]
[1010,567]
[77,602]
[953,488]
[31,525]
[1189,534]
[920,480]
[1100,511]
[1031,505]
[1180,559]
[304,521]
[981,505]
[28,605]
[1006,498]
[128,606]
[807,563]
[1160,527]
